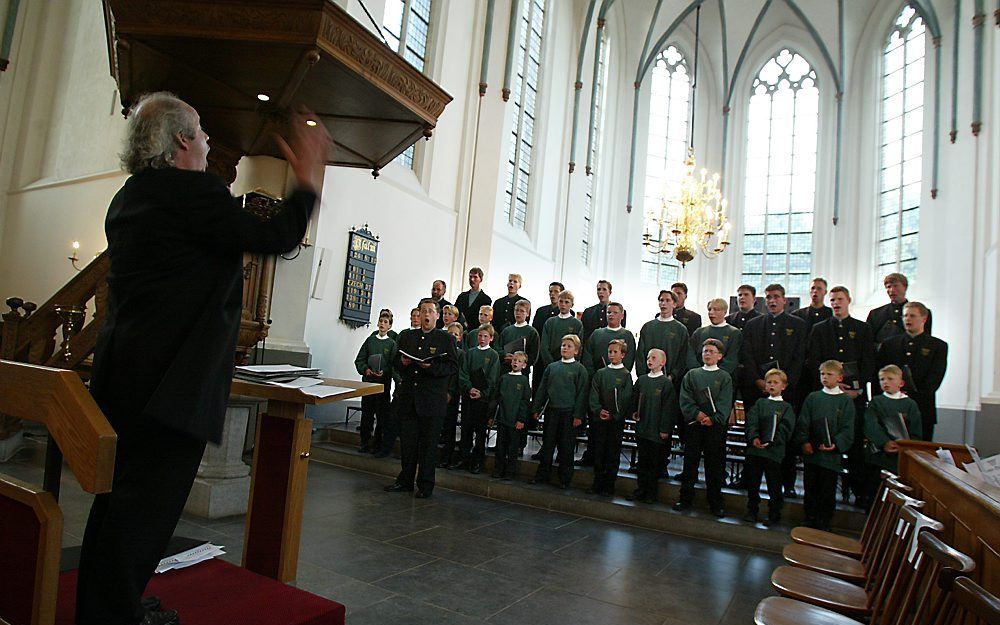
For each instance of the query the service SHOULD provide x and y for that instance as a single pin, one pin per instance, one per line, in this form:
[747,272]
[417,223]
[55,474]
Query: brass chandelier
[690,217]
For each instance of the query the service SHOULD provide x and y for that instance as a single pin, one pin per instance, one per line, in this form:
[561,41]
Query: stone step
[339,447]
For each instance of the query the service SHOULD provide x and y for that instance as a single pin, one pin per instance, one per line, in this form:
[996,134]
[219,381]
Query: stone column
[222,487]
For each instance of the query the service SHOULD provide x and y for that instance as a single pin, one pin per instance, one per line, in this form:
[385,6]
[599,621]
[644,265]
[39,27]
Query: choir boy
[655,410]
[503,308]
[596,350]
[770,424]
[891,416]
[887,321]
[690,319]
[450,426]
[469,302]
[667,333]
[519,336]
[556,329]
[824,432]
[610,398]
[378,351]
[479,375]
[816,311]
[718,329]
[508,413]
[596,316]
[746,300]
[706,401]
[561,399]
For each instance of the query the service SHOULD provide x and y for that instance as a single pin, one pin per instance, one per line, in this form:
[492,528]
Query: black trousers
[448,430]
[129,528]
[508,450]
[418,439]
[606,441]
[557,432]
[856,472]
[474,430]
[373,414]
[708,441]
[927,429]
[390,429]
[820,498]
[754,468]
[648,469]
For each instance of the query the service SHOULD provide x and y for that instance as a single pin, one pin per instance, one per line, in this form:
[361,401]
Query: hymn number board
[359,277]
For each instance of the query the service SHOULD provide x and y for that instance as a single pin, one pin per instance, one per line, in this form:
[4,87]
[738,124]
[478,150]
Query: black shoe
[476,469]
[790,492]
[750,517]
[397,488]
[461,464]
[380,454]
[423,494]
[719,512]
[680,506]
[536,456]
[150,604]
[165,617]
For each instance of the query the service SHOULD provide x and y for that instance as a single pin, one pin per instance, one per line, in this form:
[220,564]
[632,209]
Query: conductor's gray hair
[153,123]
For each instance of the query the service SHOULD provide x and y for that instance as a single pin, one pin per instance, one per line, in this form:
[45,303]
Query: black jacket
[503,311]
[176,239]
[887,321]
[812,316]
[470,310]
[690,319]
[739,319]
[767,338]
[850,341]
[926,357]
[595,317]
[424,391]
[543,314]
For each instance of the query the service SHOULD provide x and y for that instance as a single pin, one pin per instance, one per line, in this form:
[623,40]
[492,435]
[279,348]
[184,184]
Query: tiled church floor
[457,558]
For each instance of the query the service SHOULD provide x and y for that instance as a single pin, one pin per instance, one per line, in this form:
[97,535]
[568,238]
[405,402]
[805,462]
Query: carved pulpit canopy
[244,64]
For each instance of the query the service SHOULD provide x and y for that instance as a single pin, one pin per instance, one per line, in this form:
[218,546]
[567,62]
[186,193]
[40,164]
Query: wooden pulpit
[278,476]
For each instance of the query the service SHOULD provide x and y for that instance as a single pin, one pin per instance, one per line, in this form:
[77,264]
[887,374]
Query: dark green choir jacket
[552,334]
[611,390]
[513,398]
[884,420]
[454,384]
[529,344]
[849,341]
[595,352]
[670,336]
[731,339]
[654,407]
[387,349]
[838,410]
[925,357]
[487,360]
[693,399]
[564,385]
[760,421]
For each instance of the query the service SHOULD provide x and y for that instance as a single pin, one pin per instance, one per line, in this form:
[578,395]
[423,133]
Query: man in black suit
[816,311]
[503,307]
[775,340]
[690,319]
[162,372]
[596,316]
[469,302]
[438,289]
[923,359]
[421,399]
[746,299]
[887,320]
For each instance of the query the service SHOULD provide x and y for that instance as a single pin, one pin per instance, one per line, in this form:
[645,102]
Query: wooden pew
[968,507]
[32,535]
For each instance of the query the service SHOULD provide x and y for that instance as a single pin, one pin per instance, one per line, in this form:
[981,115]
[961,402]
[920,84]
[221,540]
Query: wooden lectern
[278,476]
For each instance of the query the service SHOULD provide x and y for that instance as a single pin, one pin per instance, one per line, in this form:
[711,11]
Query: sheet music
[322,390]
[297,383]
[190,557]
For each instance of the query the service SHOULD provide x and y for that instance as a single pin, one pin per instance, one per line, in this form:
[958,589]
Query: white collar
[664,320]
[618,366]
[710,367]
[568,360]
[897,395]
[566,316]
[721,324]
[520,324]
[655,375]
[514,372]
[618,329]
[382,338]
[778,398]
[833,391]
[483,347]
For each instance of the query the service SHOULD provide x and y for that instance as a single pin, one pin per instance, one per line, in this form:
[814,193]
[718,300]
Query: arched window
[666,148]
[524,92]
[406,24]
[782,130]
[595,148]
[901,142]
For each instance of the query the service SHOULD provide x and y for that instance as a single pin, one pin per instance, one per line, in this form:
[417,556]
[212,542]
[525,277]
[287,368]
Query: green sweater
[838,411]
[528,338]
[553,331]
[731,339]
[373,345]
[595,352]
[564,385]
[672,338]
[883,410]
[510,405]
[485,359]
[694,400]
[654,407]
[611,390]
[760,421]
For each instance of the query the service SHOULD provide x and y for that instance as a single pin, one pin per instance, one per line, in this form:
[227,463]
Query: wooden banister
[58,399]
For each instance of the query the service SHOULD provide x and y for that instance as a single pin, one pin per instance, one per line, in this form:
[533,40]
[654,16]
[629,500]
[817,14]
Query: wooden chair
[883,519]
[971,605]
[923,592]
[852,547]
[844,597]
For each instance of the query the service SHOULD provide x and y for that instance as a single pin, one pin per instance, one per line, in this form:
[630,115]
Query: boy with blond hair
[655,411]
[610,398]
[478,378]
[561,399]
[508,412]
[770,423]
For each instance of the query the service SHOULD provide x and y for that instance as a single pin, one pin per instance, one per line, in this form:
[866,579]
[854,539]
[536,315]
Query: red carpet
[219,593]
